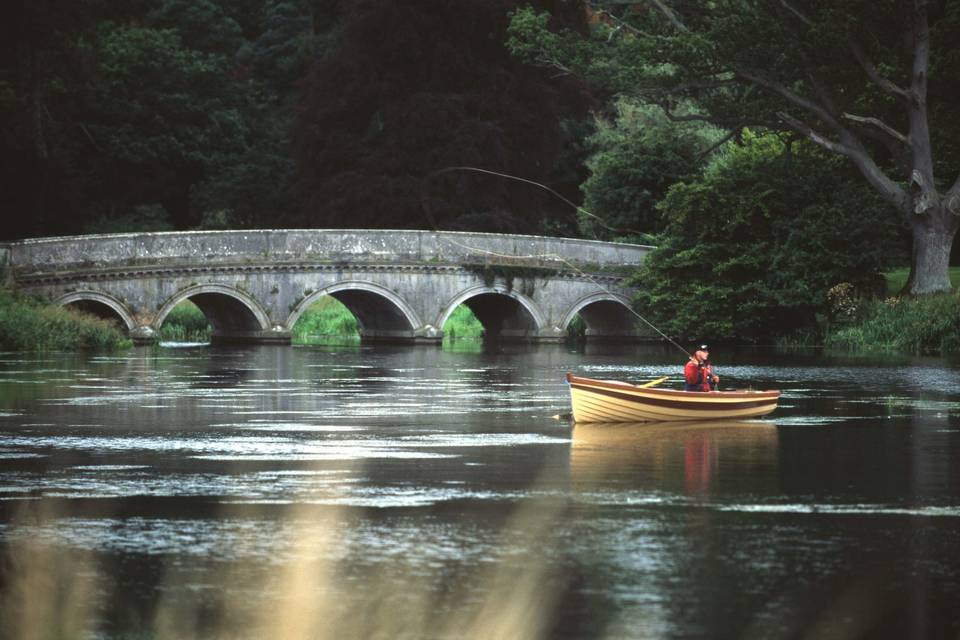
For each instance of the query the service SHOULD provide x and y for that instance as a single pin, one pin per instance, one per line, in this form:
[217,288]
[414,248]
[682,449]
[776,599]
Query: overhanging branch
[851,148]
[880,124]
[736,131]
[804,19]
[808,131]
[874,74]
[795,99]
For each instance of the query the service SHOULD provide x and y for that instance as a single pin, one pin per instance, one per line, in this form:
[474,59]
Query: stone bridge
[400,285]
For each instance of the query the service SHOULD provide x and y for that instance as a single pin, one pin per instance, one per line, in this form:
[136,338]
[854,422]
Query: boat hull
[608,401]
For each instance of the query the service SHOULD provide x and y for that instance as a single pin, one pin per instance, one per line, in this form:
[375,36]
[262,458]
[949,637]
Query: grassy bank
[328,320]
[27,324]
[897,278]
[927,324]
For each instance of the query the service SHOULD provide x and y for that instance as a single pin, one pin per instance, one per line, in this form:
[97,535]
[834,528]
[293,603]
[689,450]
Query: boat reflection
[692,458]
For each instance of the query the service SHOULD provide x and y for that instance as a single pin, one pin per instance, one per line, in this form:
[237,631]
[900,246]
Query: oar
[653,383]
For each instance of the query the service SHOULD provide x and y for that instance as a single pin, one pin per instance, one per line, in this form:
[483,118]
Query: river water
[387,492]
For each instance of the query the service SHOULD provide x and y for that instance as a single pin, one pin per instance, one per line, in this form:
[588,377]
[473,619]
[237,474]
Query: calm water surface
[419,492]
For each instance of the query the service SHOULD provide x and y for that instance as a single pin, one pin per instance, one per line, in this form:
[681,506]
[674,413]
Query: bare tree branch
[736,131]
[804,19]
[808,131]
[880,124]
[670,15]
[684,87]
[795,99]
[687,117]
[695,117]
[851,148]
[873,73]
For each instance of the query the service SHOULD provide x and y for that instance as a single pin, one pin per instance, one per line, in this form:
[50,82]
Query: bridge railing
[299,246]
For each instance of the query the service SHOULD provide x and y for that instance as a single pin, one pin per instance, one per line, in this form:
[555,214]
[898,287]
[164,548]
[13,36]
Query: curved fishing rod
[548,255]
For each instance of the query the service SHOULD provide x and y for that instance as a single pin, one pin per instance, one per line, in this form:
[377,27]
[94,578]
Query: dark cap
[703,347]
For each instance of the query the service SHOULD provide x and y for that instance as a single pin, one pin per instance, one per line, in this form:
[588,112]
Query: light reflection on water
[304,492]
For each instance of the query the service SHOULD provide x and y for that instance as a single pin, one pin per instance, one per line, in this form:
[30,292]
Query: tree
[636,156]
[381,115]
[752,246]
[870,80]
[159,118]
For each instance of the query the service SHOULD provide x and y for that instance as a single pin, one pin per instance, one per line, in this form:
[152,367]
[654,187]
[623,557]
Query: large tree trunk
[933,235]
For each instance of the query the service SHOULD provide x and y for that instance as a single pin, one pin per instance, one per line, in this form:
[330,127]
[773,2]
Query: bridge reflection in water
[401,286]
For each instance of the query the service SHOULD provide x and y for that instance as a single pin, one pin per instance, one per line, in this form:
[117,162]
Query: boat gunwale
[692,396]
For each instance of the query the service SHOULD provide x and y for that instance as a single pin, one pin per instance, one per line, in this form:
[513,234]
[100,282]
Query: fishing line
[556,257]
[580,209]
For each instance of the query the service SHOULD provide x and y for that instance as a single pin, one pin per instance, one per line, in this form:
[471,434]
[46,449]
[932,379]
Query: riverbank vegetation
[325,321]
[27,324]
[185,323]
[927,324]
[764,161]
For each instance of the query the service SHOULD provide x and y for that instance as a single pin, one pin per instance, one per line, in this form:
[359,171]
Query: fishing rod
[580,209]
[556,257]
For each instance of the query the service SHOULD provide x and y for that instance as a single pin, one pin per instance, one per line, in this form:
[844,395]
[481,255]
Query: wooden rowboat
[611,401]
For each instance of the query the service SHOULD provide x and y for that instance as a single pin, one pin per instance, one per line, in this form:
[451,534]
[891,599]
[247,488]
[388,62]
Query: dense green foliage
[178,114]
[913,325]
[635,157]
[384,115]
[155,114]
[751,247]
[31,325]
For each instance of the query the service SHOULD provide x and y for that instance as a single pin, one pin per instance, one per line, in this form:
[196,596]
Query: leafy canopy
[752,246]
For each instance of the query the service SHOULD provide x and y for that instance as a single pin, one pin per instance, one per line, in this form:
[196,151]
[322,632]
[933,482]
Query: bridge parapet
[173,249]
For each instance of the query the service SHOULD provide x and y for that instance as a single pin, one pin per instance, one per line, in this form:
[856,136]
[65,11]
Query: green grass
[462,325]
[897,278]
[913,325]
[185,323]
[326,321]
[27,324]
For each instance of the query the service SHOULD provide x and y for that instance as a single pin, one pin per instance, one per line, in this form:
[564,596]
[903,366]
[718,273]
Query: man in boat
[698,373]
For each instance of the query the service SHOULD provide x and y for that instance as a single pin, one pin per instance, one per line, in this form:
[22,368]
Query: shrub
[752,247]
[31,325]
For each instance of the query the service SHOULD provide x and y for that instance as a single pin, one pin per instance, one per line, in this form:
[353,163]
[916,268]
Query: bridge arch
[380,312]
[99,304]
[231,312]
[605,314]
[503,312]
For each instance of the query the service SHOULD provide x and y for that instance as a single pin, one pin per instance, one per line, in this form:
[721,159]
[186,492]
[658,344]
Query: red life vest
[697,376]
